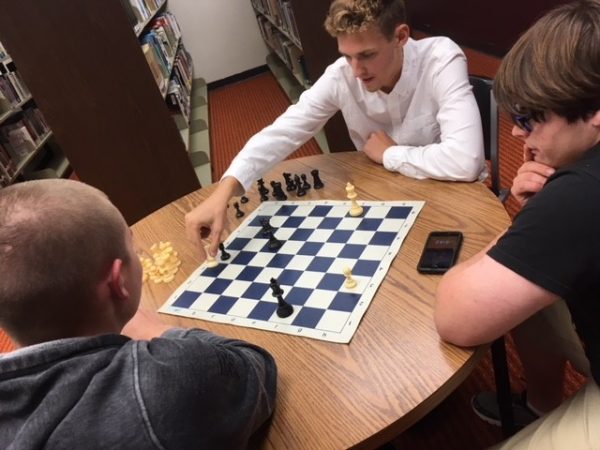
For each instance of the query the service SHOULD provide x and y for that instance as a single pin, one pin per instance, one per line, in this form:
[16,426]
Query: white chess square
[290,247]
[361,237]
[340,264]
[299,262]
[330,250]
[261,259]
[302,211]
[283,234]
[236,288]
[199,284]
[349,223]
[204,302]
[333,321]
[311,222]
[230,272]
[242,308]
[267,273]
[320,299]
[309,279]
[374,252]
[392,225]
[339,211]
[377,212]
[320,235]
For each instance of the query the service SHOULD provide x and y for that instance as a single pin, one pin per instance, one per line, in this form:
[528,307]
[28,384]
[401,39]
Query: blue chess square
[238,244]
[340,236]
[330,223]
[320,211]
[218,286]
[285,210]
[256,291]
[310,248]
[352,251]
[399,212]
[243,258]
[344,301]
[292,222]
[214,271]
[222,305]
[263,311]
[369,224]
[331,282]
[280,261]
[186,299]
[308,317]
[256,221]
[383,238]
[365,268]
[320,264]
[301,234]
[289,277]
[249,273]
[297,295]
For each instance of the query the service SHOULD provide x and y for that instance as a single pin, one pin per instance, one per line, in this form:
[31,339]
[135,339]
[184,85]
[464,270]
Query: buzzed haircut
[354,16]
[555,65]
[57,239]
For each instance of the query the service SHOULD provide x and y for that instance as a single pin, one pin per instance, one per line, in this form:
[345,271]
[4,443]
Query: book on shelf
[155,65]
[8,91]
[17,140]
[5,105]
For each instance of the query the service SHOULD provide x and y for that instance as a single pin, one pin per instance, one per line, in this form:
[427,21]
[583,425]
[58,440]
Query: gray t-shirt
[188,389]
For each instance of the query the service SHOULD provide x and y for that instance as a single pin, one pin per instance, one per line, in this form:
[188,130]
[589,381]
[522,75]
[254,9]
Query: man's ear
[116,284]
[402,33]
[595,120]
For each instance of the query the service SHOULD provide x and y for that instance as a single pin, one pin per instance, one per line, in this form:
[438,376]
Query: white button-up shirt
[431,114]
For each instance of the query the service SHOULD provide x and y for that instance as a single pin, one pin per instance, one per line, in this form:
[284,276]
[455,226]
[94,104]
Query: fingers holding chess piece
[350,282]
[210,259]
[355,209]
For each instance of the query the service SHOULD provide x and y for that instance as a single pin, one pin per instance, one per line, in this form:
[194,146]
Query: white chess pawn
[210,260]
[350,282]
[355,209]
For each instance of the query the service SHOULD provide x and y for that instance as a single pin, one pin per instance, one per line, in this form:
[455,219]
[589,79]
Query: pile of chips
[163,265]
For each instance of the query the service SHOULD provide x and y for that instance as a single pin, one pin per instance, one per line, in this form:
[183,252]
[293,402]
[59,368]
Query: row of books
[287,51]
[13,91]
[180,85]
[160,47]
[139,11]
[281,14]
[19,139]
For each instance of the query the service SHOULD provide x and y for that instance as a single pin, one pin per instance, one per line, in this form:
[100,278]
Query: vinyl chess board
[320,239]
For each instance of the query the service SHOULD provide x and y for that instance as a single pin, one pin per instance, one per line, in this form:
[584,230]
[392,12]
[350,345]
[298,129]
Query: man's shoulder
[436,47]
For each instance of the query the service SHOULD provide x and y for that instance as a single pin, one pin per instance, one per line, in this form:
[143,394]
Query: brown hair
[58,238]
[352,16]
[555,65]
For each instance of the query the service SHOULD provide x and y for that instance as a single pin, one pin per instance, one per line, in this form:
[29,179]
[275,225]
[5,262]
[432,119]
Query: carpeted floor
[238,111]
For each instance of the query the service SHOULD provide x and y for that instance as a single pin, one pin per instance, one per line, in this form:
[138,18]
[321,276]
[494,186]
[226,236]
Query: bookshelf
[100,98]
[293,31]
[24,132]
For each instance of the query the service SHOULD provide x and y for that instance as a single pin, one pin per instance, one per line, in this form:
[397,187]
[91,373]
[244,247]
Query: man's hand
[145,325]
[531,178]
[377,144]
[209,218]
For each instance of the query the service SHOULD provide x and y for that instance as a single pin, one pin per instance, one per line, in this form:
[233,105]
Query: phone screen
[440,252]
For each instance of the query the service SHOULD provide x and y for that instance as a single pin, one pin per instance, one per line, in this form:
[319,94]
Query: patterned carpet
[239,110]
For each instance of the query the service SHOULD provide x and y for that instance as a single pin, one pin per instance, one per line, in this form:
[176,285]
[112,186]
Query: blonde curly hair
[355,16]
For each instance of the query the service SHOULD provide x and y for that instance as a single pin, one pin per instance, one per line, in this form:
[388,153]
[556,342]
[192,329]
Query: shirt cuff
[394,160]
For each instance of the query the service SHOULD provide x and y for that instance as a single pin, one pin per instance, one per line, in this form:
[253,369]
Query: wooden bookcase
[83,64]
[318,49]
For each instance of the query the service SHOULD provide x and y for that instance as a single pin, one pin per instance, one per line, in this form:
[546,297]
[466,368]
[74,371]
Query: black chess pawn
[317,183]
[224,255]
[284,309]
[277,191]
[262,190]
[238,212]
[274,243]
[289,183]
[266,226]
[243,199]
[301,192]
[305,184]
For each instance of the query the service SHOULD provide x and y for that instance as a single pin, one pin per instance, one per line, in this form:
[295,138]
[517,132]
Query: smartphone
[440,251]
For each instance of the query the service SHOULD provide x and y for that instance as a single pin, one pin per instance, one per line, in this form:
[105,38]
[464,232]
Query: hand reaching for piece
[377,144]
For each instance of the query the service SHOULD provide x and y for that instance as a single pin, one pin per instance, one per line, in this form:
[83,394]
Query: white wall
[221,35]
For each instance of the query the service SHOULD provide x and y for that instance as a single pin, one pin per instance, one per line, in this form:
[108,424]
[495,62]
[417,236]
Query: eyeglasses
[523,122]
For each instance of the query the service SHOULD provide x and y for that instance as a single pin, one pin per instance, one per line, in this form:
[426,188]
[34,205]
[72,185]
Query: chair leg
[503,386]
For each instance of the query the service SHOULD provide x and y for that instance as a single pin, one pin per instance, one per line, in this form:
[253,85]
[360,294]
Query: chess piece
[289,183]
[305,184]
[301,192]
[238,212]
[277,191]
[266,226]
[317,183]
[243,199]
[262,190]
[350,282]
[284,309]
[355,209]
[224,255]
[210,259]
[274,243]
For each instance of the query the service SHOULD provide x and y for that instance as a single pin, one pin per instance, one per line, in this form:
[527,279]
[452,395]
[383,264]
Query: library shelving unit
[27,150]
[84,65]
[301,49]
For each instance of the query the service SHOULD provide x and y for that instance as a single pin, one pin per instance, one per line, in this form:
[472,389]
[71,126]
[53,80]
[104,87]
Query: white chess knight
[350,282]
[355,209]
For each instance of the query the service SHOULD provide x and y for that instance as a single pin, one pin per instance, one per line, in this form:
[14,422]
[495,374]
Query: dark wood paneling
[84,66]
[488,26]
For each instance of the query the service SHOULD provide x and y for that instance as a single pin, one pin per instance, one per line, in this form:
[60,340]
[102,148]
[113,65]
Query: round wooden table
[396,368]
